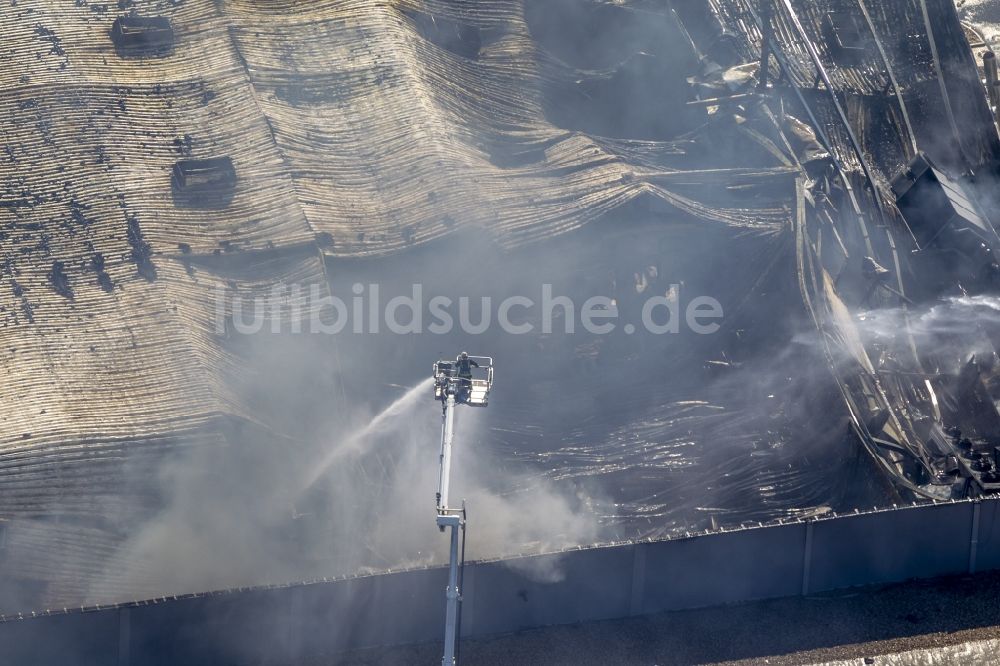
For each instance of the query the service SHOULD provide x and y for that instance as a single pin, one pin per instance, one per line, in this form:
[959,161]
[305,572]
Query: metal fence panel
[390,609]
[577,586]
[891,546]
[988,546]
[78,639]
[211,629]
[723,568]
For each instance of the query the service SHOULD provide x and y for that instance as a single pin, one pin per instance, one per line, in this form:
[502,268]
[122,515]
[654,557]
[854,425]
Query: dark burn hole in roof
[136,36]
[629,102]
[458,38]
[327,88]
[203,183]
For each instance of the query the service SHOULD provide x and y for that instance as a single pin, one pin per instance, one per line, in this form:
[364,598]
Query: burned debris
[862,253]
[142,252]
[955,244]
[60,281]
[846,38]
[992,77]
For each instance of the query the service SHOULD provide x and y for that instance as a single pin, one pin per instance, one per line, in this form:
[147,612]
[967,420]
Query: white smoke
[378,485]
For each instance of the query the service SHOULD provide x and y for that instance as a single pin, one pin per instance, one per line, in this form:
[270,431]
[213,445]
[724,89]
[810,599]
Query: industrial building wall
[753,563]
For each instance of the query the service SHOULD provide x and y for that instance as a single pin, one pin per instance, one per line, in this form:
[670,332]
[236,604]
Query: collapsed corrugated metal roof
[368,128]
[352,132]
